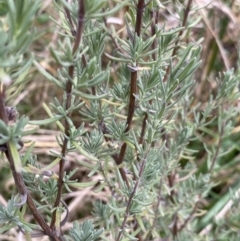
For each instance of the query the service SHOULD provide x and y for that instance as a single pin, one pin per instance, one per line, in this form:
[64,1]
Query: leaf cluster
[146,144]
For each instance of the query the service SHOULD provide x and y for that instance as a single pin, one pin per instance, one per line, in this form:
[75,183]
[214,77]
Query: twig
[130,200]
[189,217]
[133,85]
[171,180]
[153,32]
[175,225]
[81,13]
[154,16]
[186,13]
[63,222]
[114,156]
[131,108]
[144,124]
[70,20]
[156,210]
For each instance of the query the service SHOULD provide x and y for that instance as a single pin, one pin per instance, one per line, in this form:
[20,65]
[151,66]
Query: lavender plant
[133,92]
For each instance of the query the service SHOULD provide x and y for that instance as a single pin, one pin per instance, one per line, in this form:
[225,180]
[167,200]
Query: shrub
[149,145]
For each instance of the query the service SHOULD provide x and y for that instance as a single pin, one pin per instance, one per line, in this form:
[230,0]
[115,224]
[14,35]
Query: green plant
[143,137]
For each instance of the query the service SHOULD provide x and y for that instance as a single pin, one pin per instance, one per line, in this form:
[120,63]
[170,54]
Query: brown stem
[174,230]
[144,124]
[175,223]
[131,109]
[70,20]
[18,179]
[189,217]
[127,212]
[114,156]
[133,81]
[156,209]
[154,16]
[140,10]
[81,12]
[3,113]
[171,181]
[133,91]
[186,13]
[153,32]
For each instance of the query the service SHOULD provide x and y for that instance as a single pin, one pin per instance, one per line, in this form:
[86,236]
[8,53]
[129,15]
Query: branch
[133,81]
[156,209]
[81,13]
[68,15]
[189,217]
[130,200]
[114,156]
[153,32]
[131,108]
[18,179]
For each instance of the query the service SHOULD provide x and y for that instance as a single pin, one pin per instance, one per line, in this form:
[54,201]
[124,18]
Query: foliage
[150,145]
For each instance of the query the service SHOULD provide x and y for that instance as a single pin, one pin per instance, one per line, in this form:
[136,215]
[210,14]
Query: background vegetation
[193,192]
